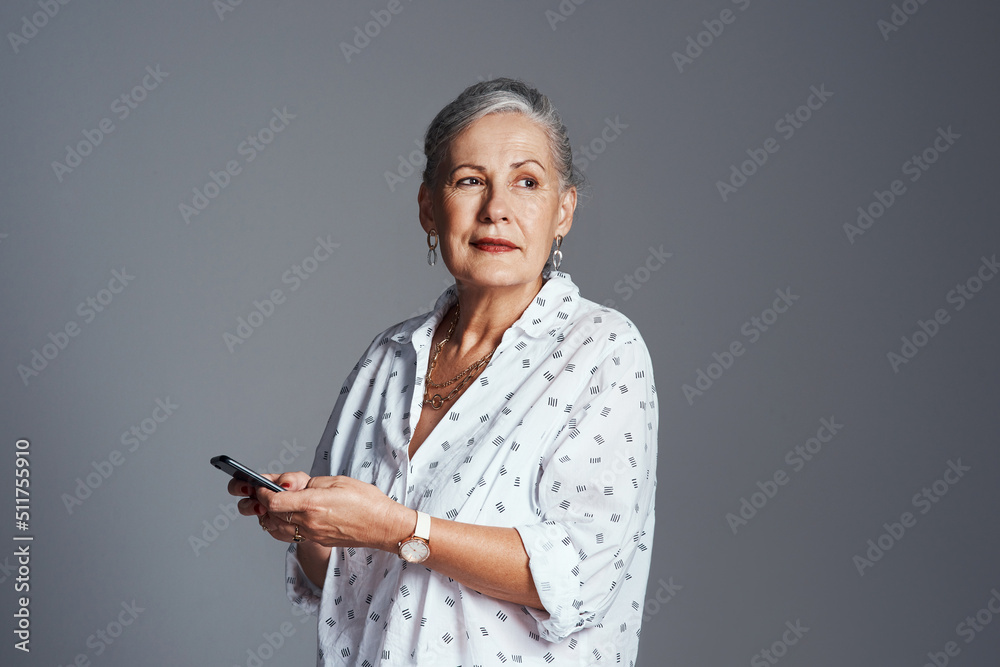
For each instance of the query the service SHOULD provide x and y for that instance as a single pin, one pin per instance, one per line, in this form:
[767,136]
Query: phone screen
[241,472]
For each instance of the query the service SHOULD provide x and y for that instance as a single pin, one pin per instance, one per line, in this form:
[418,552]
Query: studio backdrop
[209,208]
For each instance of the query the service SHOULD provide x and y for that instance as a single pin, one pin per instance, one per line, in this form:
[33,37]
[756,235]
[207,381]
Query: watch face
[414,551]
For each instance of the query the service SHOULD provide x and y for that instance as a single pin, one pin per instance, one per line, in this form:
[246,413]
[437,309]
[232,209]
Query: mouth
[493,245]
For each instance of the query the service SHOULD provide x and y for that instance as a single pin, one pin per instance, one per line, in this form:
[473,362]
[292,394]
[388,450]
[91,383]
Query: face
[497,206]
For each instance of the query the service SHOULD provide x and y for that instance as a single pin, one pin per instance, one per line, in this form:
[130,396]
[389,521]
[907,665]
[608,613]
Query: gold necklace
[463,378]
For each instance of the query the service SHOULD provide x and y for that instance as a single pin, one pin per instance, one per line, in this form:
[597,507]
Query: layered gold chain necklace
[462,379]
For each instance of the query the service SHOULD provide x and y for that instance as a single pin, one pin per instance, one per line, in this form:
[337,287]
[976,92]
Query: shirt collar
[546,315]
[551,308]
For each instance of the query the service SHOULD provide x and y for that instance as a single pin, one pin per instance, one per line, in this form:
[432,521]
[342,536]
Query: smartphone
[243,473]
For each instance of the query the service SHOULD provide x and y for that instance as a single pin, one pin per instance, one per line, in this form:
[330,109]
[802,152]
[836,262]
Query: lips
[489,244]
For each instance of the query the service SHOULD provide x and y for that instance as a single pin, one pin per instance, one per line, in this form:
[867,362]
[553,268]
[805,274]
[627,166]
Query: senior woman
[483,492]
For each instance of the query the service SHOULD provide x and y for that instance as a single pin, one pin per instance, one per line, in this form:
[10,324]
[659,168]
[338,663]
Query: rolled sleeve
[301,590]
[595,495]
[549,548]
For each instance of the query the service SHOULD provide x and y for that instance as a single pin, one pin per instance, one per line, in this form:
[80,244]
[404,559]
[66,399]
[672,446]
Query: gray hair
[501,95]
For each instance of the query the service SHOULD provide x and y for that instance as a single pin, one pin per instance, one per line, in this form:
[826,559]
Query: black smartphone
[243,473]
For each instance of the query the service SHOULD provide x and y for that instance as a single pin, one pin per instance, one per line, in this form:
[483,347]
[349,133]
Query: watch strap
[423,528]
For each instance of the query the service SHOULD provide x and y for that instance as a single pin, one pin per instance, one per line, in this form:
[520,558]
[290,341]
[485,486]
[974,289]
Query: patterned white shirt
[556,438]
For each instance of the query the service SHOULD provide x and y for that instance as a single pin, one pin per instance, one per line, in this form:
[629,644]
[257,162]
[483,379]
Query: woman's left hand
[337,512]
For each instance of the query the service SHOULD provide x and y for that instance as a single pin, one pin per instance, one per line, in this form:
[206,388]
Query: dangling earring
[432,244]
[557,253]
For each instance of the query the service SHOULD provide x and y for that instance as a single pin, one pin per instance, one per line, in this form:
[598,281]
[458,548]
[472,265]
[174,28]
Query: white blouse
[556,438]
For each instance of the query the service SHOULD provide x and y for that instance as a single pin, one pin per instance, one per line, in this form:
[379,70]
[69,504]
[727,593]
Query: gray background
[728,595]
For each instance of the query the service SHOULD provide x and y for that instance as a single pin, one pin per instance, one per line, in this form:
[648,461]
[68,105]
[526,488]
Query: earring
[432,244]
[557,253]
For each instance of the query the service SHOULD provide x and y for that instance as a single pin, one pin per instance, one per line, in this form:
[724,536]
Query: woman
[483,492]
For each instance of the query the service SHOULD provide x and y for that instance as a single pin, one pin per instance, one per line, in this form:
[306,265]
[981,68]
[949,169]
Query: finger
[292,481]
[267,497]
[287,532]
[321,482]
[237,487]
[268,523]
[279,530]
[287,501]
[250,507]
[291,519]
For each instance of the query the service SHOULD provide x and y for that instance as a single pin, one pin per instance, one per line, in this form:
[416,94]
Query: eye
[528,182]
[469,180]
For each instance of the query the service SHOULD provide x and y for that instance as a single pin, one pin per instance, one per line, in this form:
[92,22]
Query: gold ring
[297,537]
[260,520]
[288,519]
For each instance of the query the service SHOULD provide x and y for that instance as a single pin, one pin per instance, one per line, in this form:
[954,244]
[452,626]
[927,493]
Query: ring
[288,519]
[260,520]
[297,537]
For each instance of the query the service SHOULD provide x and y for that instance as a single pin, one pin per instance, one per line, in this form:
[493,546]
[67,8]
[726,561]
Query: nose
[495,207]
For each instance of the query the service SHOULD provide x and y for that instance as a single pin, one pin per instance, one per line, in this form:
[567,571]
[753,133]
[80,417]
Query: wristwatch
[417,548]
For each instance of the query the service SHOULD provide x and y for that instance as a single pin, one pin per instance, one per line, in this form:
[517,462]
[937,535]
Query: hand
[251,506]
[336,512]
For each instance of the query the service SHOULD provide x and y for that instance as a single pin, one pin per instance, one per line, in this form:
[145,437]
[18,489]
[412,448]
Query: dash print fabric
[556,438]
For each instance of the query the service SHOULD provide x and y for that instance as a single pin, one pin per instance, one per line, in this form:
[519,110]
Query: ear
[567,205]
[425,204]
